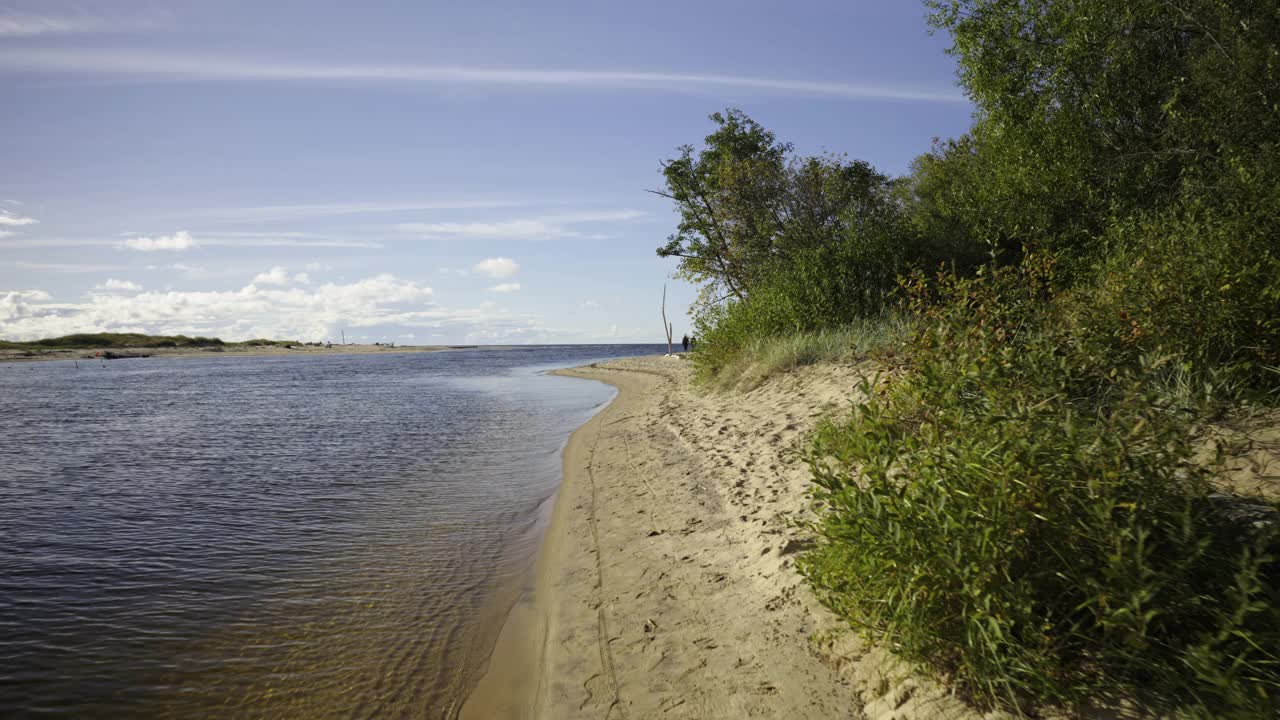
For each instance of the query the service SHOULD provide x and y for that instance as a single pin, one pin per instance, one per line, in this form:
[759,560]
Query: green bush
[841,285]
[996,518]
[1207,292]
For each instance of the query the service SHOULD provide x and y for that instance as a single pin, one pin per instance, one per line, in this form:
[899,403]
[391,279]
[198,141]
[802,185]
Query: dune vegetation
[1066,296]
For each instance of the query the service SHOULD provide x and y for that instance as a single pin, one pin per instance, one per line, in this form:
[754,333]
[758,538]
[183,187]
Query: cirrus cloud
[544,227]
[505,288]
[191,67]
[14,23]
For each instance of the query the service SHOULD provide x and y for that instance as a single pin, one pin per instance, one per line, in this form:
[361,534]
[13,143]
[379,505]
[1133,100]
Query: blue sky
[422,172]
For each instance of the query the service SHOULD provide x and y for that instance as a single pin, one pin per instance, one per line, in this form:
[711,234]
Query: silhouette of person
[685,342]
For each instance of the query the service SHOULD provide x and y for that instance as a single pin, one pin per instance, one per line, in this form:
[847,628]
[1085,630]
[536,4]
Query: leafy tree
[1094,109]
[749,210]
[947,205]
[727,195]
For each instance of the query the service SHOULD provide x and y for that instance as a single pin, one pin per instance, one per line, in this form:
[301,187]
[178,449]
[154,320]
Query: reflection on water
[271,537]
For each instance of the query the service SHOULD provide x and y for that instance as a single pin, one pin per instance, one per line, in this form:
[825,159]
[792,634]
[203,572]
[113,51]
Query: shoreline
[666,583]
[507,688]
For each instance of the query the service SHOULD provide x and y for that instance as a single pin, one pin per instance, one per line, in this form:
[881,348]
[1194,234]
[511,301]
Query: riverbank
[214,351]
[666,586]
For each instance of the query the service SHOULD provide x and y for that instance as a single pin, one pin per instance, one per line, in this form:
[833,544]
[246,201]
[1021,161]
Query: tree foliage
[1093,109]
[750,209]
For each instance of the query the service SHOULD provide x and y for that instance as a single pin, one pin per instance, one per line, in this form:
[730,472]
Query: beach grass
[765,357]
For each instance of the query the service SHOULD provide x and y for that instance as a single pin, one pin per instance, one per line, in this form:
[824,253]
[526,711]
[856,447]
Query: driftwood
[666,326]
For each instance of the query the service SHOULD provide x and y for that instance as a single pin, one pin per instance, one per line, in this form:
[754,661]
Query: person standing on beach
[685,341]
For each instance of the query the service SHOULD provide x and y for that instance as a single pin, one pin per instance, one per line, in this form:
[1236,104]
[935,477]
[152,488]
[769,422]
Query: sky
[408,171]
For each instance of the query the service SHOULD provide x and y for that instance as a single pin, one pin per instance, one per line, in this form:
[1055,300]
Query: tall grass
[761,358]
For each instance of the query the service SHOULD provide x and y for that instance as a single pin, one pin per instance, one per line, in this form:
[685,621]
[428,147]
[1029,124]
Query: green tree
[749,209]
[1093,109]
[728,196]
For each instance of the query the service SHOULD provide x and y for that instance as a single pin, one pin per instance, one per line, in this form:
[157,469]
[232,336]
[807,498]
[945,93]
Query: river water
[272,537]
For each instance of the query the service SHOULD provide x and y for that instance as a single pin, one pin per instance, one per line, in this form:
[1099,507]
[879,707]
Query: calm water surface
[309,537]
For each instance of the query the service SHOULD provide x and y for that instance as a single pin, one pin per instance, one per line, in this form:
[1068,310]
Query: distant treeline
[1064,295]
[130,340]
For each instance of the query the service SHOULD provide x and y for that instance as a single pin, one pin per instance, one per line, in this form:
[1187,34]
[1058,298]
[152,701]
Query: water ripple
[271,537]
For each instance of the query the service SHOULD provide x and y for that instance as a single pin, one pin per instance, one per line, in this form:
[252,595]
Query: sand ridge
[667,587]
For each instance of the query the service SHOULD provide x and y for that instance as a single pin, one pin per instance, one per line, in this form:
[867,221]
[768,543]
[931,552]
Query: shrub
[1205,291]
[845,284]
[1000,518]
[760,358]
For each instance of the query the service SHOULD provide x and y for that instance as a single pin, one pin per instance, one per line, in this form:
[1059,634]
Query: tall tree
[749,208]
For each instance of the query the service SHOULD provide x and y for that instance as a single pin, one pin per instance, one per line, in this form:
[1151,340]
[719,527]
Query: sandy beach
[666,586]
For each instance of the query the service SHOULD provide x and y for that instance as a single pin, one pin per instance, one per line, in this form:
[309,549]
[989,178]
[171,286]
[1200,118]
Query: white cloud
[180,240]
[318,267]
[590,305]
[195,67]
[5,233]
[505,288]
[114,284]
[171,242]
[498,267]
[9,219]
[22,24]
[185,269]
[509,230]
[378,307]
[547,227]
[594,216]
[19,303]
[251,311]
[272,213]
[279,276]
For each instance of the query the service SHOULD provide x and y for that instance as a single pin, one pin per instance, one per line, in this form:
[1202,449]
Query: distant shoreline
[129,353]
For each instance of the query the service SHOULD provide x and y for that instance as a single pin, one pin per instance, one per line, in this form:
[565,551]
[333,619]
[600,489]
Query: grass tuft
[762,358]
